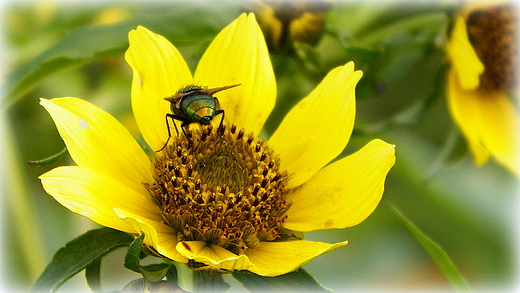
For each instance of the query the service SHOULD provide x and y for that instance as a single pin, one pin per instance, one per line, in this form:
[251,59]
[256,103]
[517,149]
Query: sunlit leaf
[89,44]
[78,47]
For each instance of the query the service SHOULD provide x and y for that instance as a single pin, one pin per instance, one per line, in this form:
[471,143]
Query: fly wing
[175,101]
[175,98]
[212,91]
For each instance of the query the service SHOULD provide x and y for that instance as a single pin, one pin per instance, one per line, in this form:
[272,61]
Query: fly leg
[172,117]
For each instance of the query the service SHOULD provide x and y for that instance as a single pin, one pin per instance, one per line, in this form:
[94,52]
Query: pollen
[492,32]
[224,187]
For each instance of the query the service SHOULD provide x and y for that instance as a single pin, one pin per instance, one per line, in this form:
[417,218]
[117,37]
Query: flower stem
[25,231]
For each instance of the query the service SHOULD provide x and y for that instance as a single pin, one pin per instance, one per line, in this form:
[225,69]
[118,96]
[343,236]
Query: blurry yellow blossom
[483,53]
[284,22]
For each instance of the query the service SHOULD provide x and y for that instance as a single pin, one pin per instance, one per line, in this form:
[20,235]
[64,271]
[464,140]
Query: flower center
[223,188]
[492,31]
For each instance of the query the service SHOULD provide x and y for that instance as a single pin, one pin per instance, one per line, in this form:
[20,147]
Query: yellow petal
[464,112]
[214,256]
[317,129]
[239,55]
[488,120]
[159,72]
[344,193]
[501,135]
[94,194]
[98,141]
[462,56]
[277,258]
[156,234]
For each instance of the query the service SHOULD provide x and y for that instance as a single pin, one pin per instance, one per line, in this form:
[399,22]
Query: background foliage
[76,48]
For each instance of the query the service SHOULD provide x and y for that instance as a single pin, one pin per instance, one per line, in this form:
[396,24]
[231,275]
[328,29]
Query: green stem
[24,228]
[416,22]
[436,252]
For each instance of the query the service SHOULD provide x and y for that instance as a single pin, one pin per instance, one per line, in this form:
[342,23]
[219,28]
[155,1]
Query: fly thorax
[197,106]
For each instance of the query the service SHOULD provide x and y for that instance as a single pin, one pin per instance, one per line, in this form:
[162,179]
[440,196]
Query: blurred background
[76,48]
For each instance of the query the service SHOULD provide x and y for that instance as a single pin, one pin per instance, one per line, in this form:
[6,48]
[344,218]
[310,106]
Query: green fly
[193,104]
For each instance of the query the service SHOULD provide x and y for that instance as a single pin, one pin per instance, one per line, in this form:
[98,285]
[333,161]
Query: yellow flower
[284,22]
[226,200]
[484,58]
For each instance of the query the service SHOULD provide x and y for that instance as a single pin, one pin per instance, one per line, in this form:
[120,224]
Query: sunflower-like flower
[286,21]
[223,199]
[483,53]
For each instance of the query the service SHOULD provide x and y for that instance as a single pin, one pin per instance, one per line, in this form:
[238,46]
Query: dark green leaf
[172,275]
[436,252]
[155,272]
[133,255]
[93,276]
[209,282]
[49,160]
[297,281]
[77,255]
[152,273]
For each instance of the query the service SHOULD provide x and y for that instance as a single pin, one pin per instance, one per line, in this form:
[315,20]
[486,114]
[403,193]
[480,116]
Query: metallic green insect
[194,104]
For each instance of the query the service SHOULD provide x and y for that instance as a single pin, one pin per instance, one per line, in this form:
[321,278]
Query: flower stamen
[224,188]
[492,31]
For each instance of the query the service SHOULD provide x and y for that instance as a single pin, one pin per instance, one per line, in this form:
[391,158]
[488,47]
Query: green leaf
[155,272]
[78,47]
[89,44]
[49,160]
[308,55]
[133,255]
[429,21]
[436,252]
[211,282]
[297,281]
[142,285]
[152,273]
[453,150]
[93,276]
[77,255]
[172,275]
